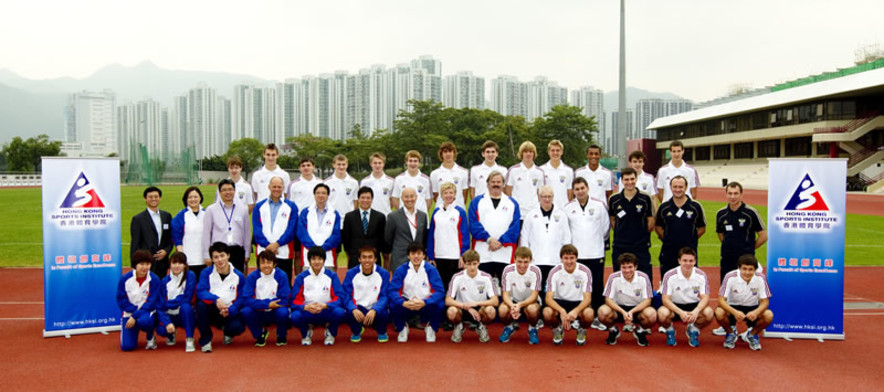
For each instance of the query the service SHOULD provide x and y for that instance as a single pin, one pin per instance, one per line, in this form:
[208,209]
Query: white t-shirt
[479,176]
[569,286]
[261,178]
[457,175]
[560,180]
[590,225]
[301,191]
[600,181]
[342,193]
[520,286]
[464,288]
[742,293]
[669,171]
[645,183]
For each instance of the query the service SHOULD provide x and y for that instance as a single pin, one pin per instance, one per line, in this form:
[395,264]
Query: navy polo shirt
[680,225]
[739,228]
[631,220]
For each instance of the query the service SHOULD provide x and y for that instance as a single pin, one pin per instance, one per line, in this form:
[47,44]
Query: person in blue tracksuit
[175,302]
[266,300]
[137,295]
[317,299]
[416,290]
[366,288]
[219,298]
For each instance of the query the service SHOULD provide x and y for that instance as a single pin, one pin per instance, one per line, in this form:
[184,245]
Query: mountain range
[30,107]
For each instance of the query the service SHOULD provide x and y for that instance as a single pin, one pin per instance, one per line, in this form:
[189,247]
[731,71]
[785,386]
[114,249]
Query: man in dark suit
[150,231]
[404,226]
[364,226]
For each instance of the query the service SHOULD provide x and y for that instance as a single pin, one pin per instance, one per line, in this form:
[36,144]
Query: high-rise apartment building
[509,96]
[649,109]
[463,90]
[542,96]
[89,124]
[591,101]
[142,124]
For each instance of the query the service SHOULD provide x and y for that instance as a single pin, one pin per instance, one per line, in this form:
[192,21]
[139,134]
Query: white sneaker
[228,340]
[307,340]
[662,329]
[483,333]
[457,333]
[719,331]
[207,348]
[403,334]
[628,327]
[151,344]
[189,347]
[329,339]
[431,334]
[598,325]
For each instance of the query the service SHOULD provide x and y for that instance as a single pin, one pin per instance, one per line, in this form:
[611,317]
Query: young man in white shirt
[568,296]
[644,181]
[479,173]
[600,179]
[450,171]
[300,190]
[628,296]
[343,187]
[244,193]
[676,166]
[557,174]
[414,179]
[524,179]
[744,296]
[685,297]
[520,287]
[472,298]
[261,177]
[380,183]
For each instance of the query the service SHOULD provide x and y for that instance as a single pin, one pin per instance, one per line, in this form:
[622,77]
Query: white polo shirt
[645,183]
[739,292]
[261,178]
[382,188]
[479,176]
[669,171]
[683,290]
[526,184]
[420,183]
[600,180]
[569,286]
[560,180]
[301,191]
[628,293]
[343,193]
[457,175]
[464,288]
[520,286]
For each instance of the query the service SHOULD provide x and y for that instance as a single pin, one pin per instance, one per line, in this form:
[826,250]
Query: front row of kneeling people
[369,298]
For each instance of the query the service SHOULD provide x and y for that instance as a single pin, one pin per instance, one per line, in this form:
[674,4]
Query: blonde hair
[412,154]
[555,142]
[340,158]
[378,155]
[527,146]
[448,185]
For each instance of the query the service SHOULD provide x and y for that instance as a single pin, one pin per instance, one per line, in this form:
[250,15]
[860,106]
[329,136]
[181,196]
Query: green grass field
[21,237]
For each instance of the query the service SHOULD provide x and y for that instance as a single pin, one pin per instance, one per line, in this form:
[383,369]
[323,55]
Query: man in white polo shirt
[600,179]
[520,287]
[472,296]
[450,171]
[744,296]
[300,190]
[261,177]
[479,173]
[380,183]
[628,300]
[568,296]
[414,179]
[686,298]
[676,167]
[524,179]
[557,174]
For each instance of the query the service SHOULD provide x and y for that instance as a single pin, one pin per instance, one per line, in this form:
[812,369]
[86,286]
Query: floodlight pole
[620,149]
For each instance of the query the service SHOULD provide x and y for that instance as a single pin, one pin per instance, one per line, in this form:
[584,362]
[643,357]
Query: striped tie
[365,222]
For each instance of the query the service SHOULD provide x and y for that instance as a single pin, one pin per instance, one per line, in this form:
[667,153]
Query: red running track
[94,362]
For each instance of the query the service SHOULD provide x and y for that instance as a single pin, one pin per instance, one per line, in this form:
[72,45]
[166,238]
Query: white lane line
[21,302]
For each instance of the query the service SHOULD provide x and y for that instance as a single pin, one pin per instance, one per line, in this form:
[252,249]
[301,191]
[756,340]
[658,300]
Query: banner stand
[81,331]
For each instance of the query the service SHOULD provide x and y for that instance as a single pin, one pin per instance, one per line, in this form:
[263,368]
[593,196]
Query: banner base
[81,331]
[800,335]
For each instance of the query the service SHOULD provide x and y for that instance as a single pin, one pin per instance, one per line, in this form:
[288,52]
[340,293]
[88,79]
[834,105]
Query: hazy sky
[694,48]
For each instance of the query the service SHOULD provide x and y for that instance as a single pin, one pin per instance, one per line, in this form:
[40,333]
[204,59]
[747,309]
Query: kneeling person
[520,284]
[175,308]
[416,290]
[744,296]
[316,299]
[471,297]
[137,296]
[568,295]
[627,300]
[366,285]
[219,298]
[266,295]
[686,298]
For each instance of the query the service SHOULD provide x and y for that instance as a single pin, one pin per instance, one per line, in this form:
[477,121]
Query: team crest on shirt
[481,288]
[534,181]
[420,189]
[285,215]
[577,283]
[638,208]
[329,222]
[696,289]
[324,288]
[241,195]
[455,180]
[644,187]
[556,217]
[527,284]
[741,222]
[599,181]
[591,211]
[754,291]
[690,214]
[385,191]
[562,179]
[638,292]
[453,219]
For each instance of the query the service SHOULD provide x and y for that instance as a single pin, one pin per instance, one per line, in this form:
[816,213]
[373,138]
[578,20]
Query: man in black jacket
[364,226]
[150,230]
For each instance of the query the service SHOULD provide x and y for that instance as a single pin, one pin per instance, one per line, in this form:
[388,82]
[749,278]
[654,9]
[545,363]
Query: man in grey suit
[404,226]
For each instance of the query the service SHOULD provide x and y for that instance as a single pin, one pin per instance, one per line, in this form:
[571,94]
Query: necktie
[365,222]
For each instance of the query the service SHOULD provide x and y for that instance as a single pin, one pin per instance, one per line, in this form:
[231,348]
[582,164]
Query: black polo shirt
[739,228]
[631,220]
[680,225]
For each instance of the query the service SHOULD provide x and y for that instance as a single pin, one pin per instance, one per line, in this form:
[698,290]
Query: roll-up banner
[805,251]
[81,245]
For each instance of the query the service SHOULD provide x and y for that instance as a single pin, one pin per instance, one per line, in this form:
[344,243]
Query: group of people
[529,246]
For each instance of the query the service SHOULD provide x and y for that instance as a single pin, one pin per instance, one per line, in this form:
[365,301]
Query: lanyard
[229,218]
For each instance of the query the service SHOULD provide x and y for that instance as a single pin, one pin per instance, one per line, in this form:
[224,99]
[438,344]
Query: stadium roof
[850,85]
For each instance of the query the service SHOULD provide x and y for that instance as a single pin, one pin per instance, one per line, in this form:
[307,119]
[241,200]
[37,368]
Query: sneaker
[357,337]
[308,339]
[329,338]
[483,333]
[693,336]
[532,336]
[581,336]
[189,347]
[598,325]
[383,338]
[261,341]
[505,335]
[457,333]
[754,342]
[151,344]
[670,336]
[228,340]
[281,341]
[206,348]
[661,329]
[641,337]
[403,334]
[743,336]
[558,335]
[170,341]
[613,335]
[720,331]
[431,334]
[730,340]
[628,327]
[539,324]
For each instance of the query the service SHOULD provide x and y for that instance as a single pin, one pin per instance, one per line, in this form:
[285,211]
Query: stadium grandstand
[835,114]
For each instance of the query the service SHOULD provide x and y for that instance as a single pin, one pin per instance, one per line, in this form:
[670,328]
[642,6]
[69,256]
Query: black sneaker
[261,341]
[641,338]
[613,335]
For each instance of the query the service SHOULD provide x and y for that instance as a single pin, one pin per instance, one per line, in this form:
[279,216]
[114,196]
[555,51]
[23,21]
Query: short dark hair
[271,146]
[368,248]
[637,154]
[365,189]
[579,180]
[219,247]
[416,247]
[180,257]
[226,181]
[306,159]
[471,255]
[627,258]
[687,250]
[679,177]
[595,146]
[627,171]
[489,144]
[266,255]
[187,193]
[568,249]
[676,143]
[315,252]
[152,189]
[734,184]
[447,146]
[747,259]
[321,185]
[523,252]
[141,256]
